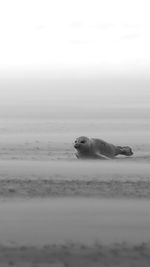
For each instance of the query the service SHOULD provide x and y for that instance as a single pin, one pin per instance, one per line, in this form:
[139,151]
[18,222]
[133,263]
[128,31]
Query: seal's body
[93,148]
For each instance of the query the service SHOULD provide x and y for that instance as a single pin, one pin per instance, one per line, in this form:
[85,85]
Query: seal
[93,148]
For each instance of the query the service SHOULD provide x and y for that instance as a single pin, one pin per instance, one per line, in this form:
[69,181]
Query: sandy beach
[59,211]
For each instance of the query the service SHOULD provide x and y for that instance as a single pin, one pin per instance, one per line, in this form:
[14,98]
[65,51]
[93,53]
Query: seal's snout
[76,145]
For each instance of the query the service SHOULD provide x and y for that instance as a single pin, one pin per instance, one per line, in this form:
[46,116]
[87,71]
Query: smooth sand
[75,232]
[84,220]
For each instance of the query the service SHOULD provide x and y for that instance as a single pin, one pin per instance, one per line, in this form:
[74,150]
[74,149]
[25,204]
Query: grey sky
[73,56]
[84,34]
[75,98]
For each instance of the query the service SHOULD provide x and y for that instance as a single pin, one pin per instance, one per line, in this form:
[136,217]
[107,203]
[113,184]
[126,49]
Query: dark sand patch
[72,255]
[30,179]
[45,188]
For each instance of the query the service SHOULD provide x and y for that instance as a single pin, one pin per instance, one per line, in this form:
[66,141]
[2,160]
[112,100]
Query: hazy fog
[61,59]
[75,97]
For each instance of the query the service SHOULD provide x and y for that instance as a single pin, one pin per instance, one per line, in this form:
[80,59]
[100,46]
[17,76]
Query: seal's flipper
[100,156]
[126,151]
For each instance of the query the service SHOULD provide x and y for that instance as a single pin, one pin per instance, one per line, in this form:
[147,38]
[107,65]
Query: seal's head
[126,150]
[82,144]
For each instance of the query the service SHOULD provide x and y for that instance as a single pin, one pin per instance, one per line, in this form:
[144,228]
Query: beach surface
[75,232]
[59,211]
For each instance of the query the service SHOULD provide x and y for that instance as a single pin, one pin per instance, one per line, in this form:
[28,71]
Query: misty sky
[75,98]
[65,55]
[66,35]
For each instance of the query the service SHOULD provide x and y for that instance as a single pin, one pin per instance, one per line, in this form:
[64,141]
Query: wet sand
[72,255]
[103,218]
[71,232]
[112,179]
[83,220]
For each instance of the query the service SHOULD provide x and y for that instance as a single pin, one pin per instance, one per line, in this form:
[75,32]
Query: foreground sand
[36,179]
[72,255]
